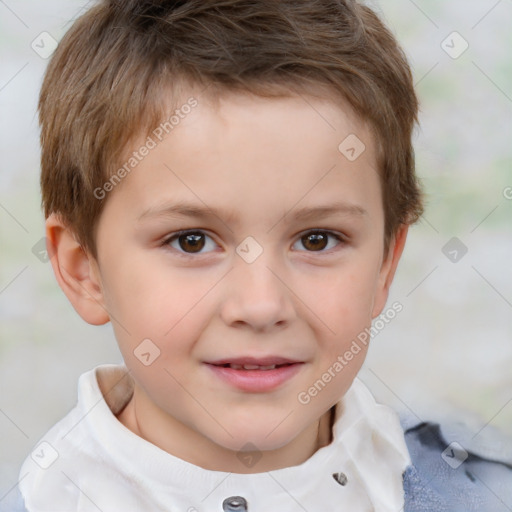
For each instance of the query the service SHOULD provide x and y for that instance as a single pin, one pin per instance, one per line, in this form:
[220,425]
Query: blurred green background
[448,354]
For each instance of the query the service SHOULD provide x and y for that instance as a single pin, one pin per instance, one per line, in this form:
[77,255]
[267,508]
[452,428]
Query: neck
[155,426]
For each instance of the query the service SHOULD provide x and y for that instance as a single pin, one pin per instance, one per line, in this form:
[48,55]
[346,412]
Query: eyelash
[174,236]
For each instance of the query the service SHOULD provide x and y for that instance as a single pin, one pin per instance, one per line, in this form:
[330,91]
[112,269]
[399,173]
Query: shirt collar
[360,469]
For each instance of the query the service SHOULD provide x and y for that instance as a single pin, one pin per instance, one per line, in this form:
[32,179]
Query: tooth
[251,367]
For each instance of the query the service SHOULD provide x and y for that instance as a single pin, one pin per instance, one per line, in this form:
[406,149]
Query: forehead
[243,151]
[300,112]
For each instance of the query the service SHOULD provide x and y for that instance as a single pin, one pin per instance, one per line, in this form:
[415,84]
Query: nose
[257,295]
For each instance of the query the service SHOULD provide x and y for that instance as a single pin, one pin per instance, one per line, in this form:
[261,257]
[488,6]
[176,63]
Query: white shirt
[90,461]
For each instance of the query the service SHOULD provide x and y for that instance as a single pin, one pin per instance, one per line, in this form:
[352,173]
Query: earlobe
[75,271]
[388,269]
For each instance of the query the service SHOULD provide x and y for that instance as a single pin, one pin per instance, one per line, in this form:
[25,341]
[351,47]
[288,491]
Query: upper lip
[259,361]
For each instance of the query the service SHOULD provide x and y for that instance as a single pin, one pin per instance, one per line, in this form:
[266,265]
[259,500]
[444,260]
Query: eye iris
[315,241]
[195,242]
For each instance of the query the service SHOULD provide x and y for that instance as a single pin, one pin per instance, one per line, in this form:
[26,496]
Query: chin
[259,437]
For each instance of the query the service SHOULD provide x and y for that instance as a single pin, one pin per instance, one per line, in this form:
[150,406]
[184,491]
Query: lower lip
[256,381]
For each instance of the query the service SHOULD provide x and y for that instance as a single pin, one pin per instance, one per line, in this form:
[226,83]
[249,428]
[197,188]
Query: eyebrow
[184,209]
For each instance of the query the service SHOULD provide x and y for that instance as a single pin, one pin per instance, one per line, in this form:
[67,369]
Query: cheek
[344,299]
[154,300]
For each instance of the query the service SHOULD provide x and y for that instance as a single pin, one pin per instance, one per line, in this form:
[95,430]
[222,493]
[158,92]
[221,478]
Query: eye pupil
[315,241]
[195,242]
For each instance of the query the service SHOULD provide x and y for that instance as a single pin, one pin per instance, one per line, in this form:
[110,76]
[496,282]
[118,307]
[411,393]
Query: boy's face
[261,280]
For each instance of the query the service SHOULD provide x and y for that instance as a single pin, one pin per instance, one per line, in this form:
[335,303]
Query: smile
[254,366]
[255,376]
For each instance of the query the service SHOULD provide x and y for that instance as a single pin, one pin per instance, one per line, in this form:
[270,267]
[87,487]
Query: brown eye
[318,241]
[190,242]
[314,241]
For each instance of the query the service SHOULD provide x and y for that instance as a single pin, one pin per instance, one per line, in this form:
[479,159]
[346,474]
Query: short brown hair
[106,80]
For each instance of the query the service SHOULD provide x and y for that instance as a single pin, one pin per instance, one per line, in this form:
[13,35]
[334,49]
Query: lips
[255,375]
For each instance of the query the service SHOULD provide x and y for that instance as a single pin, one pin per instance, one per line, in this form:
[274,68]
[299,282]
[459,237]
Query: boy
[231,184]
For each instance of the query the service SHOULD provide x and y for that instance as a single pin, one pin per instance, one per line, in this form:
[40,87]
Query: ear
[76,272]
[388,269]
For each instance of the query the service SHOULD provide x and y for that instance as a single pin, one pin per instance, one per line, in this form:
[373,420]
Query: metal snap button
[341,478]
[234,504]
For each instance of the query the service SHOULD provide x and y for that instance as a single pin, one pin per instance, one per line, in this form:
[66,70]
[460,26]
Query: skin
[263,159]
